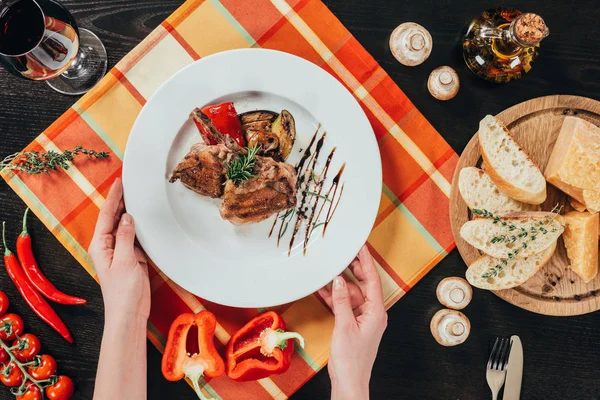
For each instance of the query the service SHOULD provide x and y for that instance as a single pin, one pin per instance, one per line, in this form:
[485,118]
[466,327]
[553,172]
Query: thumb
[342,305]
[125,238]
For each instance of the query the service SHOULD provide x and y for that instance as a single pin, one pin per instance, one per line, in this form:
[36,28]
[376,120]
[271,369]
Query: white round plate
[183,233]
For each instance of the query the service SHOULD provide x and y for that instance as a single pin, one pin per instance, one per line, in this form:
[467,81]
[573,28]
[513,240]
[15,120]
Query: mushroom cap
[443,83]
[454,292]
[450,327]
[411,44]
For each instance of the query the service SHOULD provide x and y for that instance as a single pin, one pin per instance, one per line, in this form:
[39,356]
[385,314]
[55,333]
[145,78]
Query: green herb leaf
[317,195]
[241,168]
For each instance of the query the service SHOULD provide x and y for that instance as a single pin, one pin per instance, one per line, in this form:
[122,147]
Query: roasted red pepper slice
[261,348]
[35,276]
[176,361]
[37,303]
[225,118]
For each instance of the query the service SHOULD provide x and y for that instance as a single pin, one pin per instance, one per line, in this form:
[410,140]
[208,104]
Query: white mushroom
[454,292]
[411,44]
[443,83]
[450,327]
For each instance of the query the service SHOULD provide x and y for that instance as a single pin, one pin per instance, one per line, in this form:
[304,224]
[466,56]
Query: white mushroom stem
[455,328]
[457,295]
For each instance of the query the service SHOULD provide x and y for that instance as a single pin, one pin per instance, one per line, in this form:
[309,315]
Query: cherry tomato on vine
[45,369]
[3,303]
[62,390]
[32,393]
[30,348]
[4,357]
[11,376]
[11,325]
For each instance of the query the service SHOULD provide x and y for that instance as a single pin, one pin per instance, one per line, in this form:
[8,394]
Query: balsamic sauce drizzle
[312,195]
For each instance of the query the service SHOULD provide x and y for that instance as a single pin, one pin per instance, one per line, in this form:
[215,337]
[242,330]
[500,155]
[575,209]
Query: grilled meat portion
[270,191]
[203,169]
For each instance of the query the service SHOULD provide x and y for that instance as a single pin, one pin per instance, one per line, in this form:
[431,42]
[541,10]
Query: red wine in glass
[40,40]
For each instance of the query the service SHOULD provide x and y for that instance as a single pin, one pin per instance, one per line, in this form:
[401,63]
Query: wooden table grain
[562,355]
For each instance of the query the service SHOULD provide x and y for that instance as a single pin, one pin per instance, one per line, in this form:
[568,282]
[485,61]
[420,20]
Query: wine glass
[40,40]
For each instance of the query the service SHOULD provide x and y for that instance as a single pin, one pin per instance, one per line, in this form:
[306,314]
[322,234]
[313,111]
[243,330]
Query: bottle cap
[411,44]
[443,83]
[529,28]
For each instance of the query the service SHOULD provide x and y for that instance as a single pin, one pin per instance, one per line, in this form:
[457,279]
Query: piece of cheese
[592,200]
[581,241]
[574,165]
[577,205]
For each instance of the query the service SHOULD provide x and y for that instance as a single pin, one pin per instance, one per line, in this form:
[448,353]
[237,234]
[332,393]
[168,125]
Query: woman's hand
[121,265]
[360,320]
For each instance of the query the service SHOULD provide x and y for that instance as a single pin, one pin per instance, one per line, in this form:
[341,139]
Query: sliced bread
[581,241]
[508,165]
[480,192]
[515,235]
[496,274]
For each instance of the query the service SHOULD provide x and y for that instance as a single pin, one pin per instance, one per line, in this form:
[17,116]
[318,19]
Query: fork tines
[499,355]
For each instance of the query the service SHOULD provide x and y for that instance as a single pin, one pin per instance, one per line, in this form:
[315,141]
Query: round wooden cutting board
[535,124]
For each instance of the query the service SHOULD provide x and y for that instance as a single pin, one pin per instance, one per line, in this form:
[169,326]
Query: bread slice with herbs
[514,235]
[479,191]
[508,165]
[491,273]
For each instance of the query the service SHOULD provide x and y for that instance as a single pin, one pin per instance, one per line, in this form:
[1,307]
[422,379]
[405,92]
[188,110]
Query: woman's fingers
[371,282]
[356,296]
[342,304]
[125,253]
[110,208]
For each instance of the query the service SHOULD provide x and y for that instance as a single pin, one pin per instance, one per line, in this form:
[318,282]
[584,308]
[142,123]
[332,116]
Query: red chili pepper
[261,348]
[225,118]
[176,361]
[35,276]
[37,303]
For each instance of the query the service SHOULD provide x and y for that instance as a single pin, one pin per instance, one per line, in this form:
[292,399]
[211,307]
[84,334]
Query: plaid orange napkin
[412,232]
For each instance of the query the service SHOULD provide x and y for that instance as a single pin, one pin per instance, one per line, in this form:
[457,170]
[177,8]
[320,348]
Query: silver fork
[496,366]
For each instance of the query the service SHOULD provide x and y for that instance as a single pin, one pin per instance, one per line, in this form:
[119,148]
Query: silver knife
[514,372]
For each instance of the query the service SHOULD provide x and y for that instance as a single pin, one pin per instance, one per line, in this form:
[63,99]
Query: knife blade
[514,372]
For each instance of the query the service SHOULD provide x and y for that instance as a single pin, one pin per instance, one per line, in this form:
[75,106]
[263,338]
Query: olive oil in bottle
[501,44]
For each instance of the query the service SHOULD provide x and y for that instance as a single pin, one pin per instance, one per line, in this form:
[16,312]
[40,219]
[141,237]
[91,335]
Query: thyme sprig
[317,195]
[241,168]
[36,162]
[530,235]
[495,270]
[286,218]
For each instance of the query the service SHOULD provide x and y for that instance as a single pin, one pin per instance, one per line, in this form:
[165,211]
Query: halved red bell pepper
[261,348]
[225,118]
[177,363]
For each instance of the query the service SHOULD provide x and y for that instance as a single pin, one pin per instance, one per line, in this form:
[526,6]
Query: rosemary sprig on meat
[538,228]
[241,168]
[35,162]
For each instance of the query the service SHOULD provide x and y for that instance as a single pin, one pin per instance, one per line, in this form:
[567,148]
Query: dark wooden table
[562,355]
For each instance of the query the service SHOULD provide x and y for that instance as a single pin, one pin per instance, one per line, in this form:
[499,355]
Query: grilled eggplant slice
[257,120]
[267,140]
[285,129]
